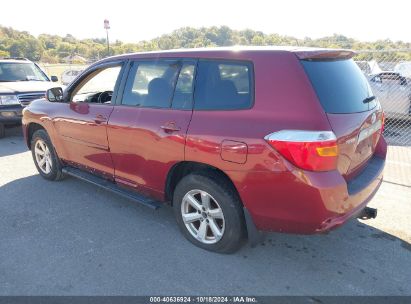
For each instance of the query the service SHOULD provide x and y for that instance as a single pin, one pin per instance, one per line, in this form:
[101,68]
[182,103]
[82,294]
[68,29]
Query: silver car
[404,68]
[394,93]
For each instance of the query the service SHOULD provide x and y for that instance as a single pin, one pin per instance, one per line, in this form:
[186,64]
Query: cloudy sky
[132,21]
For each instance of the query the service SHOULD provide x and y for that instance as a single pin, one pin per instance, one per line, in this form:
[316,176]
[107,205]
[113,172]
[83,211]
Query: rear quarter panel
[284,99]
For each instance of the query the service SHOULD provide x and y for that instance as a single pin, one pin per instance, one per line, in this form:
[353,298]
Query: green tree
[54,48]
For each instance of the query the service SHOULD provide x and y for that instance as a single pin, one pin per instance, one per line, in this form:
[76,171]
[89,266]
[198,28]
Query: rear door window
[340,85]
[223,85]
[151,84]
[183,94]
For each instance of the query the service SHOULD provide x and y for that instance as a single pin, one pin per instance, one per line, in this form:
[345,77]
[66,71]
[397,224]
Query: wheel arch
[183,168]
[31,128]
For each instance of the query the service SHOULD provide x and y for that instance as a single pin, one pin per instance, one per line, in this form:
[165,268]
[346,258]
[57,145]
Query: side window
[151,84]
[97,87]
[223,85]
[183,94]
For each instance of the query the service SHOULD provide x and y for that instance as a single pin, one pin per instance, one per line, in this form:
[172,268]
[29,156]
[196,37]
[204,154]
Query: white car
[394,93]
[69,75]
[403,68]
[369,67]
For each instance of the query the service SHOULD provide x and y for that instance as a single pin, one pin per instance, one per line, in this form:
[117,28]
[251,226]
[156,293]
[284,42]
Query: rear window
[340,85]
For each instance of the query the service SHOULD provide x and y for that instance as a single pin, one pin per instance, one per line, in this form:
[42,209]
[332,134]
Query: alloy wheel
[203,216]
[43,156]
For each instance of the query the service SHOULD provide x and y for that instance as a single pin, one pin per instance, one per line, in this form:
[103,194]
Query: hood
[26,86]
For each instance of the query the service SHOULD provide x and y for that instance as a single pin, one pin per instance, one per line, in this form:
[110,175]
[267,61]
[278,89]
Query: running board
[110,186]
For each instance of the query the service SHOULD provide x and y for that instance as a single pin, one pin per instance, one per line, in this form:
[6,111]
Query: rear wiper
[368,99]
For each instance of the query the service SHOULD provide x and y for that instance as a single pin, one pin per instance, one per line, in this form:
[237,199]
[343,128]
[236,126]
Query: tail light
[382,122]
[309,150]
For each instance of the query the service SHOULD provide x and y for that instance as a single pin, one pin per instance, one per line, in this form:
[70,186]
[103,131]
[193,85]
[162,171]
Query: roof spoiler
[324,54]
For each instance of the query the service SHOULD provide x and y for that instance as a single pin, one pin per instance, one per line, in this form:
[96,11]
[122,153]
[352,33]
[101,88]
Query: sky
[133,21]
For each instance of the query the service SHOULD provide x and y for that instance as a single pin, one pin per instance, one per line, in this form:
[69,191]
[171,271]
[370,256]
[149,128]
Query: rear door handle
[100,119]
[170,127]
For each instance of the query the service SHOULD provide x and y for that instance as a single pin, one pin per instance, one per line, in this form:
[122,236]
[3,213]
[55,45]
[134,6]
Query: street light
[107,27]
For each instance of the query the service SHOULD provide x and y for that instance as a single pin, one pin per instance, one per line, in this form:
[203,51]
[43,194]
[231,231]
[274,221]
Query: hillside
[53,48]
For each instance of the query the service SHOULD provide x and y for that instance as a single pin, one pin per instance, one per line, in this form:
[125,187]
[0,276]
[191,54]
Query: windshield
[20,71]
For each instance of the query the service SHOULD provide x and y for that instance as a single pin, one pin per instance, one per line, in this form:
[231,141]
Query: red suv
[237,140]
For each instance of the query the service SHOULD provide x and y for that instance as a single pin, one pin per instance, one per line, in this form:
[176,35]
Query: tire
[2,130]
[51,169]
[221,196]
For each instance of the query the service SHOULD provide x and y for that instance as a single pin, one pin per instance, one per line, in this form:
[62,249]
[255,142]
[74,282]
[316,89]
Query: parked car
[69,75]
[21,81]
[238,141]
[404,69]
[369,67]
[394,93]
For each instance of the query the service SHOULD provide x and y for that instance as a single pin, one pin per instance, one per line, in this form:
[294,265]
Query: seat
[225,93]
[159,93]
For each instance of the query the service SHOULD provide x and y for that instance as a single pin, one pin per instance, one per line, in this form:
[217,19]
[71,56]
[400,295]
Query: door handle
[170,127]
[100,119]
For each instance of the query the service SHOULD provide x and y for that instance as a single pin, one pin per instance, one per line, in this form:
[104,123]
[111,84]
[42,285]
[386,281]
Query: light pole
[107,27]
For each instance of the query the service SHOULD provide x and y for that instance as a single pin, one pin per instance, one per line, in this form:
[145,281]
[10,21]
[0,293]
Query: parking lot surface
[71,238]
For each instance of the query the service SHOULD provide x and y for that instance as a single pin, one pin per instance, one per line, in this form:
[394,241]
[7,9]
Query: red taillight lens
[309,150]
[382,122]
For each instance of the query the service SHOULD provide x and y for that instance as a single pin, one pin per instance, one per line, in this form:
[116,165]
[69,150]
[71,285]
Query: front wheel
[209,213]
[45,157]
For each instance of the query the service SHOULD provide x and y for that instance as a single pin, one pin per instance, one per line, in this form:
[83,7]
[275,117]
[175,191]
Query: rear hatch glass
[354,115]
[340,85]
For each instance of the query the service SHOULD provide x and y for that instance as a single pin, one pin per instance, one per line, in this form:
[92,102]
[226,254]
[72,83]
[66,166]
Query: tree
[4,53]
[54,48]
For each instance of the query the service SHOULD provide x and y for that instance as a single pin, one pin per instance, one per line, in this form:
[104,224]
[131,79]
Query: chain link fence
[389,74]
[65,72]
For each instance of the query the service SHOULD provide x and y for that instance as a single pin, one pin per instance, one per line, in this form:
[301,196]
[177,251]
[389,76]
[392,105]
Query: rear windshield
[340,85]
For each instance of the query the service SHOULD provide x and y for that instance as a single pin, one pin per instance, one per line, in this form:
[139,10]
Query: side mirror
[54,94]
[54,78]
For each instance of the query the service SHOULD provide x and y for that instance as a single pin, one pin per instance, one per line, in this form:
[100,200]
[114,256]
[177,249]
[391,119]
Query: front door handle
[100,119]
[170,127]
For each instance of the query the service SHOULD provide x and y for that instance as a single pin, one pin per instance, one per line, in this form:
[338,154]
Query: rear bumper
[360,200]
[11,114]
[305,202]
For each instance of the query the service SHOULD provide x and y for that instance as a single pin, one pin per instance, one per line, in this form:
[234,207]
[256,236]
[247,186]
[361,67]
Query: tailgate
[354,114]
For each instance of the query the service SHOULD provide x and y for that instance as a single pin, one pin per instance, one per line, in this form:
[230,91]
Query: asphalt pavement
[71,238]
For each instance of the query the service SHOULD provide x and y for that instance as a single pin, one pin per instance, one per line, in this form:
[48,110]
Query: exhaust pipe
[368,213]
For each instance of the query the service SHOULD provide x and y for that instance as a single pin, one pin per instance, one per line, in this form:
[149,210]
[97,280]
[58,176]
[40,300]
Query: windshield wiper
[27,79]
[368,99]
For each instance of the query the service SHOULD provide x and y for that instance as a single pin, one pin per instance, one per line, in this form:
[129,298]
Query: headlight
[9,100]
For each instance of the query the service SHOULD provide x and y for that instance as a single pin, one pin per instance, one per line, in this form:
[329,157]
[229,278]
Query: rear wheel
[2,130]
[45,157]
[209,213]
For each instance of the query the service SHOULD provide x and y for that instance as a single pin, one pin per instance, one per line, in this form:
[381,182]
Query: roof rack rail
[14,58]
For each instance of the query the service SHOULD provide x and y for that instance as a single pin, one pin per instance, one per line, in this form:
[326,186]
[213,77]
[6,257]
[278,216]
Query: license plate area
[368,132]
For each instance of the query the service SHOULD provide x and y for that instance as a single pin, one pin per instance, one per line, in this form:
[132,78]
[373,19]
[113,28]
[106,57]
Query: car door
[81,121]
[148,126]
